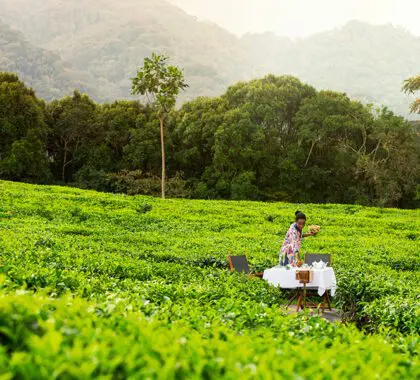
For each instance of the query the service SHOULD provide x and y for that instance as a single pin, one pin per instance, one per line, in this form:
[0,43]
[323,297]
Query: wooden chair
[240,264]
[310,258]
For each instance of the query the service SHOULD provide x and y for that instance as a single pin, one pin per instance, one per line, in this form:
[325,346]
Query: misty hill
[368,62]
[43,69]
[110,38]
[105,40]
[39,67]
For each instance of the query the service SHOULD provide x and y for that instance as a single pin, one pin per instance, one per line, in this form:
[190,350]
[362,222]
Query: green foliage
[243,187]
[194,133]
[72,125]
[22,132]
[127,137]
[343,141]
[412,85]
[98,284]
[71,338]
[159,82]
[394,311]
[275,138]
[136,182]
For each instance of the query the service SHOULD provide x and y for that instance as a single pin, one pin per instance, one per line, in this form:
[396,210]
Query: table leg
[291,300]
[299,304]
[328,300]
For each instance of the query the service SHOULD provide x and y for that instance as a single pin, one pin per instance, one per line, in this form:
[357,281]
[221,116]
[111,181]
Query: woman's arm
[309,234]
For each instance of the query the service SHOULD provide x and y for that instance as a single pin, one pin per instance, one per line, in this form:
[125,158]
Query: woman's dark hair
[299,215]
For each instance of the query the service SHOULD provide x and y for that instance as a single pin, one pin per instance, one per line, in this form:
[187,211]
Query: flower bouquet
[314,229]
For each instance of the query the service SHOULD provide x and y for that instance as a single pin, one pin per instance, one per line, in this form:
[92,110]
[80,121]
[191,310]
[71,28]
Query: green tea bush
[395,312]
[71,338]
[98,285]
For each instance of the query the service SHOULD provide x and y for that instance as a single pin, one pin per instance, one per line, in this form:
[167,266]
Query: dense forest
[274,138]
[95,46]
[42,68]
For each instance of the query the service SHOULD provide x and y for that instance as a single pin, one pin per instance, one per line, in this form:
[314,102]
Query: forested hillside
[109,39]
[43,69]
[105,41]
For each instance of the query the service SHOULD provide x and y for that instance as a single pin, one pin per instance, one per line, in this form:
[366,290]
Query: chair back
[310,258]
[239,264]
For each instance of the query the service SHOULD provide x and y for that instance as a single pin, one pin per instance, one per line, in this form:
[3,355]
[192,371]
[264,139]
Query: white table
[323,279]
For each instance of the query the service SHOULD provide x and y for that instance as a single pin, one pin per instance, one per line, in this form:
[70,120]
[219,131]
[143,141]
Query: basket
[304,276]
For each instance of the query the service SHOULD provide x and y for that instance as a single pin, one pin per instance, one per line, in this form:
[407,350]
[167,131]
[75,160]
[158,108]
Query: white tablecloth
[323,279]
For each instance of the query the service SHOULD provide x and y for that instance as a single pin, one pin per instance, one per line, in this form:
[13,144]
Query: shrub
[137,182]
[243,187]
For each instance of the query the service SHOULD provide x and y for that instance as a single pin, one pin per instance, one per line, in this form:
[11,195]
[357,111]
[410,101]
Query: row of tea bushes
[69,338]
[163,266]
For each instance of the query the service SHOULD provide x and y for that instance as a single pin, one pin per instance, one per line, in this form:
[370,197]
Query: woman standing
[293,240]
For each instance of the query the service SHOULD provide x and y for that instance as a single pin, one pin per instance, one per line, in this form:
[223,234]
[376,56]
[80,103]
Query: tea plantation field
[109,286]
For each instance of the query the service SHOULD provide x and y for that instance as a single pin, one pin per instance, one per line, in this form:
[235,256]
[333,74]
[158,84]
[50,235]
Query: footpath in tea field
[104,285]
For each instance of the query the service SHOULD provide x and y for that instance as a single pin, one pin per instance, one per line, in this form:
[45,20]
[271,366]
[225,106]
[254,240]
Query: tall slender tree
[161,84]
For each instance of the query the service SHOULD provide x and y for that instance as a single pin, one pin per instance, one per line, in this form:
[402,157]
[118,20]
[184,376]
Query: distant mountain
[110,38]
[367,62]
[43,69]
[104,41]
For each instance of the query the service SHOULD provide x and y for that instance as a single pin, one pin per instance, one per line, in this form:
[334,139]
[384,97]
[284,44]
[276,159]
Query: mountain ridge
[105,41]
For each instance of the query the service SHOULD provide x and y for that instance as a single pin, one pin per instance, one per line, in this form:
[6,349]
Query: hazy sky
[298,18]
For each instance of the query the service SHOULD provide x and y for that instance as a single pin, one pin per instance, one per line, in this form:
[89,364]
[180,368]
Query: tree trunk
[310,153]
[63,171]
[162,143]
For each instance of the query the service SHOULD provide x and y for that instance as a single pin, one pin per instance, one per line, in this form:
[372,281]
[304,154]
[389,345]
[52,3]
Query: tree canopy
[274,138]
[22,132]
